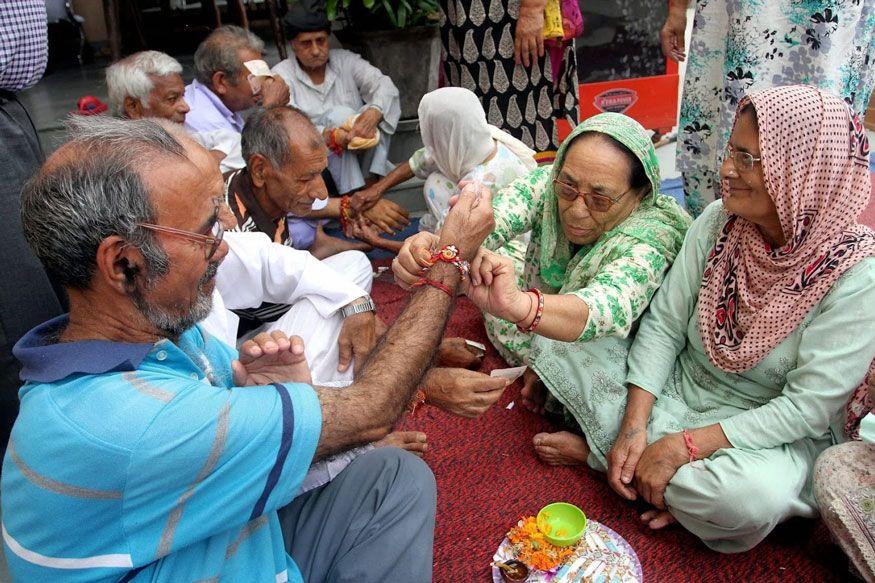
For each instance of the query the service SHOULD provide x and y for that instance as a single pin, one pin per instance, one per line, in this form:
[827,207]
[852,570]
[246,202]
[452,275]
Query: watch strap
[352,309]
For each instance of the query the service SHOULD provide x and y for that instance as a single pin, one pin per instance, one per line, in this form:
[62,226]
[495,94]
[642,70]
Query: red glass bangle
[539,311]
[425,281]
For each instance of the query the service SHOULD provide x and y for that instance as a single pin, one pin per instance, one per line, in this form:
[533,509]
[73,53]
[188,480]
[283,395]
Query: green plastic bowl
[562,523]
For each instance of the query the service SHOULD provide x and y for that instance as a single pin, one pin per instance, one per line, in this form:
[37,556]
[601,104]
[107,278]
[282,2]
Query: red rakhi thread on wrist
[345,212]
[450,254]
[418,399]
[539,311]
[425,281]
[332,143]
[691,447]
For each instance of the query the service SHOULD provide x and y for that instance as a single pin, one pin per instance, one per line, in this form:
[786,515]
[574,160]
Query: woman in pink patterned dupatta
[740,372]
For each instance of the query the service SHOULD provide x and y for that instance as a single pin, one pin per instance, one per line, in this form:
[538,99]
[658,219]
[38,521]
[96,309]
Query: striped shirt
[289,230]
[142,462]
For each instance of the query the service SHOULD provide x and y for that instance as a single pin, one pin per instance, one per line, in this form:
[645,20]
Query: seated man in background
[184,462]
[222,86]
[282,184]
[275,192]
[337,86]
[149,84]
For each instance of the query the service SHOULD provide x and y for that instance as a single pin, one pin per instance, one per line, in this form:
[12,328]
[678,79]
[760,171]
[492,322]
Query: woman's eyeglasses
[743,161]
[594,202]
[210,242]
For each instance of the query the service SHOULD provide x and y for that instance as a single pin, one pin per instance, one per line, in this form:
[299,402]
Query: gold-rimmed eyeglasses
[210,242]
[595,202]
[743,161]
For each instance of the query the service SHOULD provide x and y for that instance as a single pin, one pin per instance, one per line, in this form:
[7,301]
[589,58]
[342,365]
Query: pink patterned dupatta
[815,159]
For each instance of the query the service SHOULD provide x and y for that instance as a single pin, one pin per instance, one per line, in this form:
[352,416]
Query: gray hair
[70,207]
[218,52]
[131,77]
[265,134]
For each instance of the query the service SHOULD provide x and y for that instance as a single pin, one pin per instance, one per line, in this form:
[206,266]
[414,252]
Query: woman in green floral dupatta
[601,240]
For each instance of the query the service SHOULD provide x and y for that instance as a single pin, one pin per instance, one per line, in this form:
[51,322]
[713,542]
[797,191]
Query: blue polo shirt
[142,462]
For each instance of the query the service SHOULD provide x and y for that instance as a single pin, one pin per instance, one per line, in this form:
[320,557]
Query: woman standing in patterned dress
[496,49]
[738,46]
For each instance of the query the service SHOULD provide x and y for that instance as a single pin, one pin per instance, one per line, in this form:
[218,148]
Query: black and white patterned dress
[477,38]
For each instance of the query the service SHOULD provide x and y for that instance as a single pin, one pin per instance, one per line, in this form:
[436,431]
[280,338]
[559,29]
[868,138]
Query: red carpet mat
[488,476]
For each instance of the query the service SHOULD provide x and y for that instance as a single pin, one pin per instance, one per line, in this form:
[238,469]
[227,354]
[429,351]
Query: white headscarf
[456,135]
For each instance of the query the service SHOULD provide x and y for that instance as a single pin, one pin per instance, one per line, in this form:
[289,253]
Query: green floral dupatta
[653,233]
[658,221]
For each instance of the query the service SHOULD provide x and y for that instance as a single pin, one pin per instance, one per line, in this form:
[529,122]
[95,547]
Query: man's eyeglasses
[210,242]
[594,202]
[743,161]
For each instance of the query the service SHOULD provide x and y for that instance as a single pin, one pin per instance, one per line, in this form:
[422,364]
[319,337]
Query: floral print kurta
[616,283]
[740,45]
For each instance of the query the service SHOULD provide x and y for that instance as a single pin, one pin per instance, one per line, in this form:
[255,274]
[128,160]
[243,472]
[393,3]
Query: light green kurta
[779,415]
[629,271]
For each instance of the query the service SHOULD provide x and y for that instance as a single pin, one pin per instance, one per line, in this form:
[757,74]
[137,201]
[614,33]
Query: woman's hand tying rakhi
[493,287]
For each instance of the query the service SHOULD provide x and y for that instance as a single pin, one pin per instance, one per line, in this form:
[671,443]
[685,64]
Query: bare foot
[455,353]
[562,448]
[412,441]
[534,393]
[657,519]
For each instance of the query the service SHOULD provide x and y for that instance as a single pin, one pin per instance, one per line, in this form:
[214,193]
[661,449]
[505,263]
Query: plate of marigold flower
[601,556]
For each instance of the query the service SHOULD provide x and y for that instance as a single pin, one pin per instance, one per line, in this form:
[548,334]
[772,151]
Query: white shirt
[225,141]
[256,270]
[349,81]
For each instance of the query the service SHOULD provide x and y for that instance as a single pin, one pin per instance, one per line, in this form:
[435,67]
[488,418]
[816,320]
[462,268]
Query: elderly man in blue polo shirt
[147,450]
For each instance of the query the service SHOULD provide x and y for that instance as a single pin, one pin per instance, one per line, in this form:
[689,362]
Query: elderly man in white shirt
[333,315]
[149,84]
[333,86]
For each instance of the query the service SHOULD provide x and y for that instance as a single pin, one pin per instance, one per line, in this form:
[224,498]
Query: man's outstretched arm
[367,409]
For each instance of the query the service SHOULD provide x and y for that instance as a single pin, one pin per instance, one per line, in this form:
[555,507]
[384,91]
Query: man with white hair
[149,84]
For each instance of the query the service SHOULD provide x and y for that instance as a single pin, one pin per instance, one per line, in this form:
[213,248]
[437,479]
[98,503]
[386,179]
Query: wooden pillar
[113,28]
[279,34]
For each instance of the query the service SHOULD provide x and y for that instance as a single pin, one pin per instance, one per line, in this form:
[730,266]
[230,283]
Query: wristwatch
[352,309]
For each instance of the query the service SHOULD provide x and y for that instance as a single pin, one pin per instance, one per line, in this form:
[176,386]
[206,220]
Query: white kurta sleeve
[256,270]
